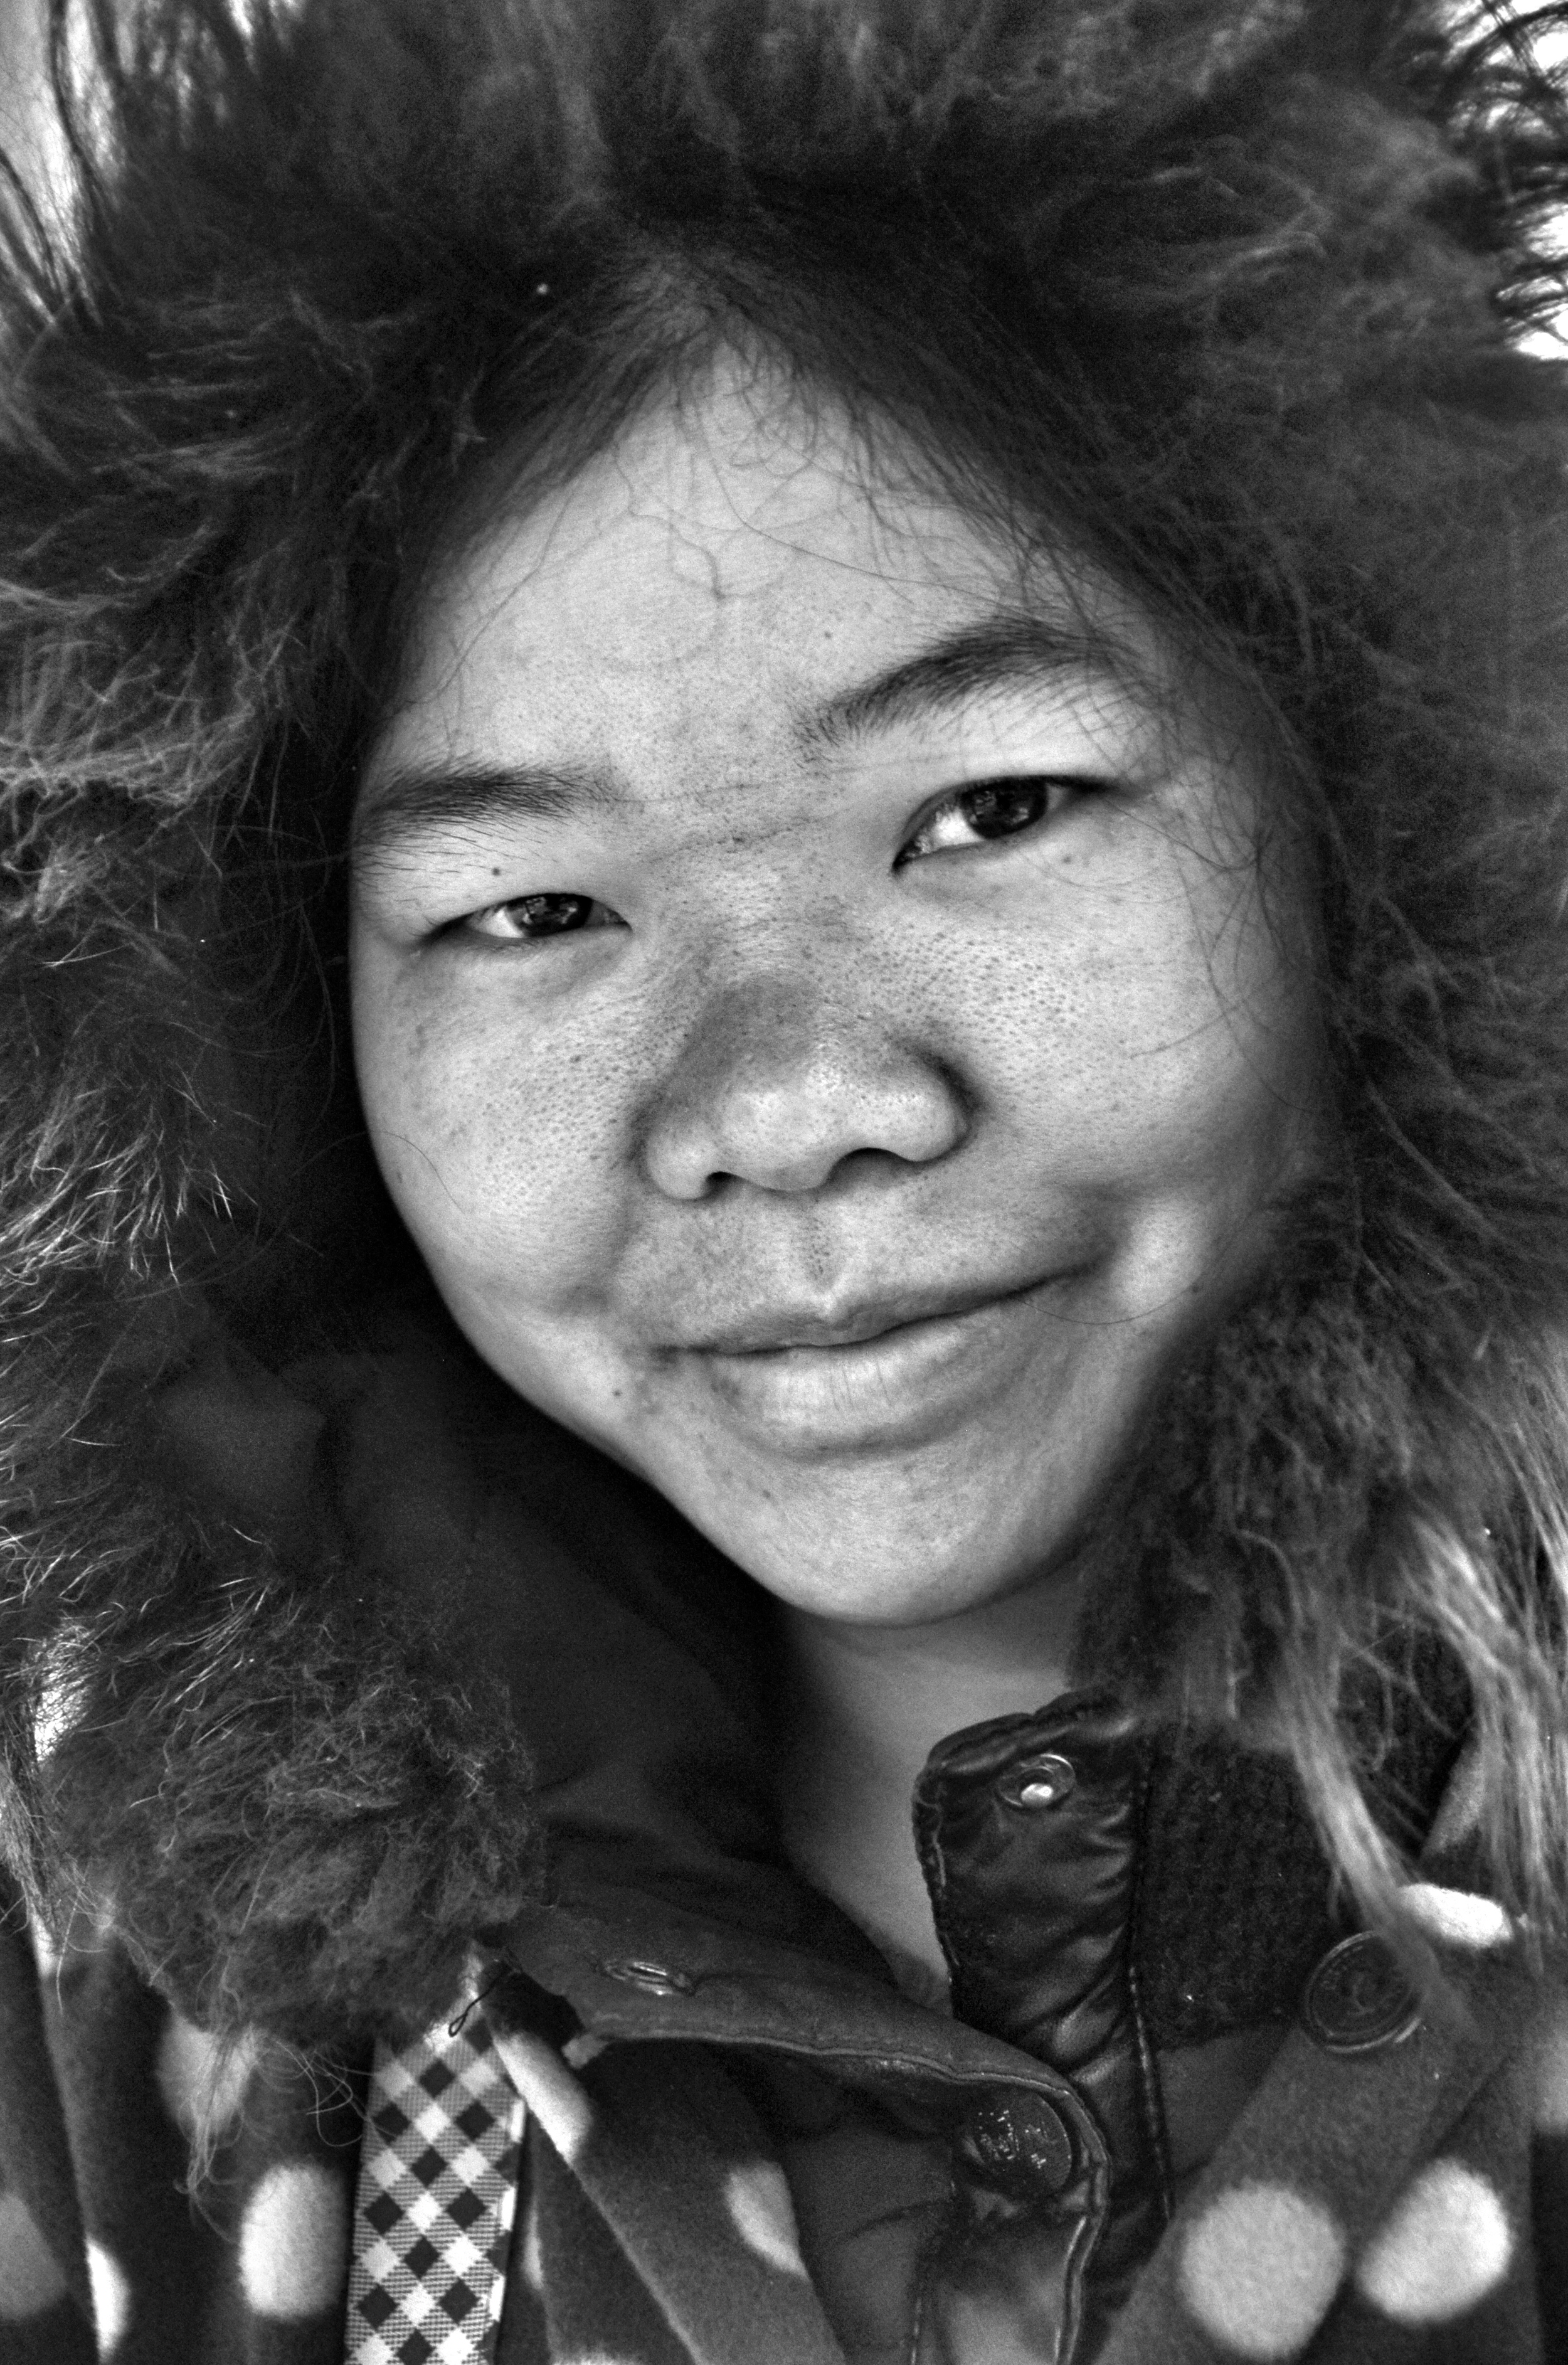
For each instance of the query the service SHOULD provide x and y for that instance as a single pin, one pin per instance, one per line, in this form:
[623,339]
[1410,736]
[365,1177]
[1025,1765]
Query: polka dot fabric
[1403,2206]
[103,2256]
[1259,2266]
[670,2236]
[31,2283]
[1445,2245]
[1379,2206]
[292,2242]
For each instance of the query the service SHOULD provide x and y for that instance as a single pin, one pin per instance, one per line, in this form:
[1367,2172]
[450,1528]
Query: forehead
[733,568]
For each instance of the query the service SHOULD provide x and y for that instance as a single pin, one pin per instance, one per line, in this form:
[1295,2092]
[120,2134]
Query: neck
[863,1708]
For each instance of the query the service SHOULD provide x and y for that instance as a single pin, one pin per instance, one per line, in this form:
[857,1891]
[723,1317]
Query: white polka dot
[532,2259]
[111,2297]
[202,2081]
[758,2199]
[1460,1812]
[79,1933]
[578,2051]
[294,2241]
[1445,2246]
[1454,1916]
[549,2090]
[30,2280]
[1260,2268]
[1550,2109]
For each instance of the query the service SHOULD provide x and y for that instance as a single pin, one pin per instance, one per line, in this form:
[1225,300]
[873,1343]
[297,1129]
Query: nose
[780,1081]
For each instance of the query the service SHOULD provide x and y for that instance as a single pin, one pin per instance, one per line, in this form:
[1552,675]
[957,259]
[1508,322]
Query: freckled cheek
[503,1157]
[1128,1071]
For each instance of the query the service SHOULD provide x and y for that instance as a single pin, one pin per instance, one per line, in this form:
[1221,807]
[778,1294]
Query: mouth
[892,1372]
[785,1330]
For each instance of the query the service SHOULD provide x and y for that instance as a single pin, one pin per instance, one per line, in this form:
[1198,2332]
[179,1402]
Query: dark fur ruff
[1223,292]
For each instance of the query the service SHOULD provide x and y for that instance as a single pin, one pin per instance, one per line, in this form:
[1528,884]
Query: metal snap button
[1357,2000]
[653,1978]
[1037,1782]
[1018,2144]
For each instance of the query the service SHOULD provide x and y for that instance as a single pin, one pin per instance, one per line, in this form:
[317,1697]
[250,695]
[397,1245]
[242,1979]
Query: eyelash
[988,802]
[568,916]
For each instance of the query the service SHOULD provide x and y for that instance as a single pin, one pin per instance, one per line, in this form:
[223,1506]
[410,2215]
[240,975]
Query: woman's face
[814,1005]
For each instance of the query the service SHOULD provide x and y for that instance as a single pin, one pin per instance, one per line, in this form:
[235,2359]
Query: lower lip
[896,1389]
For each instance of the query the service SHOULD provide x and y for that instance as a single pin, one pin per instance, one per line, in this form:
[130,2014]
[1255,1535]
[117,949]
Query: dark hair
[1228,296]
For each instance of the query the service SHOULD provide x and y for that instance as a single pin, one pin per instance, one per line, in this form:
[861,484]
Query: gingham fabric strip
[436,2200]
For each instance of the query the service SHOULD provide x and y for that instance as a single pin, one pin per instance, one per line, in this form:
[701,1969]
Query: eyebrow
[1008,647]
[409,802]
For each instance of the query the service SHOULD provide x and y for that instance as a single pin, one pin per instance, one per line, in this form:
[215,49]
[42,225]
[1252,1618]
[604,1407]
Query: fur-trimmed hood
[1242,284]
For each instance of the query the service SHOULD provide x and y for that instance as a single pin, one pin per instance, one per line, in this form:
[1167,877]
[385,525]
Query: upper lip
[773,1328]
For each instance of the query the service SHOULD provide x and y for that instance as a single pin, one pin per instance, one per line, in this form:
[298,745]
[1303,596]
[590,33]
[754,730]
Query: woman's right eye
[528,919]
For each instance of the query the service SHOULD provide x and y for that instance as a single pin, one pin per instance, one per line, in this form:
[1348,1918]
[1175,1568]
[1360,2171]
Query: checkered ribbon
[437,2196]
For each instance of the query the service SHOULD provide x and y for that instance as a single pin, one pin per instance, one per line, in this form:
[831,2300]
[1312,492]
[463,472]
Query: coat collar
[633,1654]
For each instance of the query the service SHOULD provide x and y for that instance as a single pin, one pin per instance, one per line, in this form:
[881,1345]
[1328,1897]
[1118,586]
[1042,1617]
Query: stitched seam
[1151,2101]
[933,1859]
[930,2252]
[916,2323]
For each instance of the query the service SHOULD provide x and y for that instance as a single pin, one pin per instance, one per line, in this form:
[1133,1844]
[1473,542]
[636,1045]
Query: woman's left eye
[528,919]
[990,810]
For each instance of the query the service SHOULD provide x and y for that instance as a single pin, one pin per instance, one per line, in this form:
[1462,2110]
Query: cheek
[1164,1038]
[503,1155]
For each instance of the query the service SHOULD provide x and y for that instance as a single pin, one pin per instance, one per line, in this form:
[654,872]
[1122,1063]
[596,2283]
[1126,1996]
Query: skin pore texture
[816,1013]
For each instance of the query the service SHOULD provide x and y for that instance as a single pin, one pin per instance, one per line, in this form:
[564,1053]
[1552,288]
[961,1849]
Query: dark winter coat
[743,2145]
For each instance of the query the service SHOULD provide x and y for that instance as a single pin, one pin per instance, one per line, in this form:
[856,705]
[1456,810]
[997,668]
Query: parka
[1179,2108]
[399,1958]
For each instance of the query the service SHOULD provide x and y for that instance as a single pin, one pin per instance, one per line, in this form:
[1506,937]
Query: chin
[887,1570]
